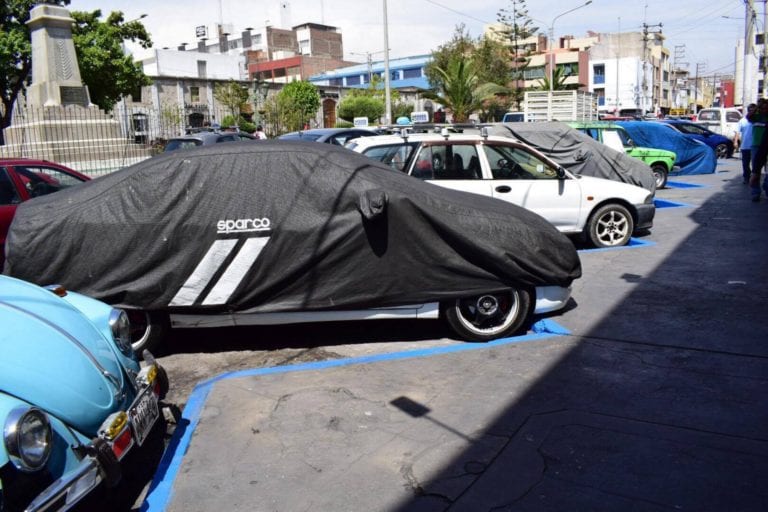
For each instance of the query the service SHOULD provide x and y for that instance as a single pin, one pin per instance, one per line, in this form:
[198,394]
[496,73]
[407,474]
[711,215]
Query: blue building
[405,74]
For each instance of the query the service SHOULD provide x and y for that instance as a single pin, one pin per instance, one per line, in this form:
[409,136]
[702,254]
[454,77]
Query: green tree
[460,45]
[232,95]
[517,26]
[353,106]
[559,76]
[460,89]
[108,71]
[298,102]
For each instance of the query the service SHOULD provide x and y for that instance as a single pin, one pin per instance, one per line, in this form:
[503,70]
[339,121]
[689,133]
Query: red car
[25,178]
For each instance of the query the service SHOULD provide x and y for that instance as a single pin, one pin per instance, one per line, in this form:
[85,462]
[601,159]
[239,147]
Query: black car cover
[578,152]
[279,226]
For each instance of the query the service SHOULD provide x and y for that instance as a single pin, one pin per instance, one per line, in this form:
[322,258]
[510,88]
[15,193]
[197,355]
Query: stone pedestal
[58,121]
[56,76]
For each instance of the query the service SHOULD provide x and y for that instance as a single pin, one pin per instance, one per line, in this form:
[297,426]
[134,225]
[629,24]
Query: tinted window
[175,144]
[394,155]
[709,115]
[732,117]
[8,193]
[509,162]
[40,180]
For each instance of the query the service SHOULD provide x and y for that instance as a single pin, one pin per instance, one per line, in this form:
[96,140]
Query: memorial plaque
[73,96]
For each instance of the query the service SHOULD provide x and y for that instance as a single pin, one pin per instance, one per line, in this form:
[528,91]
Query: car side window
[510,162]
[396,156]
[732,117]
[451,161]
[41,181]
[8,193]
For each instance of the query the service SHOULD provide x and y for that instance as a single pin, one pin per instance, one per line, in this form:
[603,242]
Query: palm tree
[458,89]
[559,76]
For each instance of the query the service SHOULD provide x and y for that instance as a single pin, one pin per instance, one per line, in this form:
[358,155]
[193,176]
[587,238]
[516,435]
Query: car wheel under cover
[660,175]
[490,316]
[721,150]
[148,328]
[611,225]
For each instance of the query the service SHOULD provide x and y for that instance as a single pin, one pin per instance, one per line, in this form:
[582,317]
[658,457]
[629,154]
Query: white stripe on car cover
[236,271]
[203,273]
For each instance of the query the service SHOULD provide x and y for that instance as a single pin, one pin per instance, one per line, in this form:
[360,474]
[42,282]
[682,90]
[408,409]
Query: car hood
[602,189]
[53,357]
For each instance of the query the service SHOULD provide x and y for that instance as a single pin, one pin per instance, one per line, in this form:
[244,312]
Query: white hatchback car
[606,212]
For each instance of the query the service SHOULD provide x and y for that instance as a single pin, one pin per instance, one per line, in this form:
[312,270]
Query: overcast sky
[708,29]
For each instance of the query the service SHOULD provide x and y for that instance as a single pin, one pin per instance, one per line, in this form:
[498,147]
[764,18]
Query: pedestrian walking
[259,133]
[759,120]
[744,134]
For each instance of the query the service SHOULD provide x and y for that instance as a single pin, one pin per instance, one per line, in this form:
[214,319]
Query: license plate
[143,415]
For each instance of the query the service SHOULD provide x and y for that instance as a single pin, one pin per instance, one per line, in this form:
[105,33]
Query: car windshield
[175,144]
[709,115]
[300,136]
[394,155]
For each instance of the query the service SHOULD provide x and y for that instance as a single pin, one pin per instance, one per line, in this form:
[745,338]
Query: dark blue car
[722,145]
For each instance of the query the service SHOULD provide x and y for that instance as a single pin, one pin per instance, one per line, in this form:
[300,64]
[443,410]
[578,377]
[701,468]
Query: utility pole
[679,54]
[765,50]
[699,67]
[749,25]
[646,51]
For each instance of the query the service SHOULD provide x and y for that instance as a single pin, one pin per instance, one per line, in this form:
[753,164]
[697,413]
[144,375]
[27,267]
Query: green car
[614,136]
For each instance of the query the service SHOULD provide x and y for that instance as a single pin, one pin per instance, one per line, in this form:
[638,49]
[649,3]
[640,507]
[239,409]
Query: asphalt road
[692,286]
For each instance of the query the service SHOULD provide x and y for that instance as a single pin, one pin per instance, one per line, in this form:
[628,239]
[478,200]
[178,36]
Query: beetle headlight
[121,330]
[27,438]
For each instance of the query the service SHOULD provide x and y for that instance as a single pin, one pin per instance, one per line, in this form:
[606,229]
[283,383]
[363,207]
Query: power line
[457,12]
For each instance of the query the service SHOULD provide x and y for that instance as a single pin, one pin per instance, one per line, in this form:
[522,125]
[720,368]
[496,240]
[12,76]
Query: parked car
[723,146]
[606,212]
[22,179]
[513,117]
[692,156]
[288,232]
[74,401]
[721,120]
[577,152]
[194,140]
[661,161]
[337,136]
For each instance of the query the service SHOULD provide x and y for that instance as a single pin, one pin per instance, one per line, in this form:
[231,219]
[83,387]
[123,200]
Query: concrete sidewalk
[649,395]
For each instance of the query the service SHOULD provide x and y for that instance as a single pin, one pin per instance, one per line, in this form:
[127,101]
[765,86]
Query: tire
[490,316]
[660,175]
[148,329]
[611,225]
[721,150]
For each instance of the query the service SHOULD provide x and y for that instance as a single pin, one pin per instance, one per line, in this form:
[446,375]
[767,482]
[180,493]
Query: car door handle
[503,189]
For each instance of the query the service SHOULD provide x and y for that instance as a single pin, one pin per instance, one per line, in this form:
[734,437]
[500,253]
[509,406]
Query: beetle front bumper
[100,459]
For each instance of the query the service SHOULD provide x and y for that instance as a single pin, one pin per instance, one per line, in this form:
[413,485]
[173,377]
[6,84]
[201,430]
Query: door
[528,180]
[452,164]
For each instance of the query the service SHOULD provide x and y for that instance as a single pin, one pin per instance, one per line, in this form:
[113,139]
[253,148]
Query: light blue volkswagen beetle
[73,398]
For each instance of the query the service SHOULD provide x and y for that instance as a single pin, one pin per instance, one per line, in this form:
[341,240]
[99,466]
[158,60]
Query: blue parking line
[161,489]
[681,184]
[633,244]
[663,203]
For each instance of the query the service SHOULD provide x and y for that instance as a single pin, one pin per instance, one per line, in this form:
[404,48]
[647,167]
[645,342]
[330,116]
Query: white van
[720,120]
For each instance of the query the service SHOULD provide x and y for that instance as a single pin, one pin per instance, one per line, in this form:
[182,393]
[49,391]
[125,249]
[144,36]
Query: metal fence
[94,142]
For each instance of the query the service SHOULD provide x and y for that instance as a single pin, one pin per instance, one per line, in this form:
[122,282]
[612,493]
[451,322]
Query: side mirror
[560,173]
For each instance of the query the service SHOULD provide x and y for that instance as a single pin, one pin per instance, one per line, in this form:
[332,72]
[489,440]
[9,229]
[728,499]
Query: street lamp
[552,41]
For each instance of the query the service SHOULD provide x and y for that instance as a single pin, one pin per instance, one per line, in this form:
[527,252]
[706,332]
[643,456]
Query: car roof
[36,161]
[378,140]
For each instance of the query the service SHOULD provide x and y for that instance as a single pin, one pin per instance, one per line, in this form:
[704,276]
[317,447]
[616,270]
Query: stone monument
[58,121]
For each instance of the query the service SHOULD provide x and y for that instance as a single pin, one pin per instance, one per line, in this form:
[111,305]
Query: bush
[341,123]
